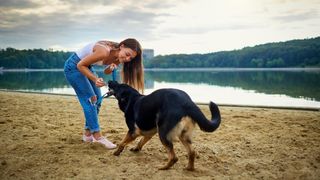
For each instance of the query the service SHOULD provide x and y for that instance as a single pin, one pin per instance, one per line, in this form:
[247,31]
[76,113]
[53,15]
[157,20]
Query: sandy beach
[41,139]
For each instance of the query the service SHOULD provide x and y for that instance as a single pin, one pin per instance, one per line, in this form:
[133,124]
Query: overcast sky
[167,26]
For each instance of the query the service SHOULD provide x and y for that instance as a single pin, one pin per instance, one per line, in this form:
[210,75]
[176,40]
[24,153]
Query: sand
[41,139]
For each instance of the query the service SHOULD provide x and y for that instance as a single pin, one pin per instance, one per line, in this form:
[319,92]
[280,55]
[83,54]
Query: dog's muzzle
[110,93]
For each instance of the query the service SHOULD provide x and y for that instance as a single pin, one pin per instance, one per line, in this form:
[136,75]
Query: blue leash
[114,74]
[107,94]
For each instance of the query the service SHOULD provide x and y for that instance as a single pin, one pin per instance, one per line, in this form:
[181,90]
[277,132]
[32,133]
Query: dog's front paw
[135,149]
[117,153]
[189,168]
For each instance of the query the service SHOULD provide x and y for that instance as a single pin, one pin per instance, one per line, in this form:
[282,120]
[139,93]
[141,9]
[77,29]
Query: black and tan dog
[170,112]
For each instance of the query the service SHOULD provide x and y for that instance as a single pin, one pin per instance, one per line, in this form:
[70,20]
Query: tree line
[294,53]
[11,58]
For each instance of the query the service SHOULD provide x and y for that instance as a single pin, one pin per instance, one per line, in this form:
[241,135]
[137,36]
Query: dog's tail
[205,124]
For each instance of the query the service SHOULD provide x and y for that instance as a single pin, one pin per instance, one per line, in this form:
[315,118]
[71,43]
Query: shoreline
[182,69]
[198,103]
[41,139]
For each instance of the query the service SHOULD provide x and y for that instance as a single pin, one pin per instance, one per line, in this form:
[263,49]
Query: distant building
[148,54]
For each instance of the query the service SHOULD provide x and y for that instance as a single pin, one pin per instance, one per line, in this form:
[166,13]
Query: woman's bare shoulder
[108,43]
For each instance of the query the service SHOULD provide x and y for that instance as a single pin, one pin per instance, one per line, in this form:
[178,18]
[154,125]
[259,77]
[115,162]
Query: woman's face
[126,54]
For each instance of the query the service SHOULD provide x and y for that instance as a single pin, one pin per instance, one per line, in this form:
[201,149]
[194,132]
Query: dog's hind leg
[171,154]
[172,157]
[185,138]
[128,138]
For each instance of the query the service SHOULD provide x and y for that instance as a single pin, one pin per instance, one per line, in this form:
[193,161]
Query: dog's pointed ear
[109,82]
[112,84]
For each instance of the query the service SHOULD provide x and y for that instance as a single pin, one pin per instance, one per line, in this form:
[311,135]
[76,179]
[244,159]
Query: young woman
[81,76]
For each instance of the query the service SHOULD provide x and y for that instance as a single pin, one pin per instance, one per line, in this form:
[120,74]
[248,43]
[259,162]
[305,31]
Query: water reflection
[292,83]
[298,84]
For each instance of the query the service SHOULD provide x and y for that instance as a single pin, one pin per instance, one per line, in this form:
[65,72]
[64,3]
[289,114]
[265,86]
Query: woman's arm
[98,54]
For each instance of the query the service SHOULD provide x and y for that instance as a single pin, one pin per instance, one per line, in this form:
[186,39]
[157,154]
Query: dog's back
[163,104]
[175,104]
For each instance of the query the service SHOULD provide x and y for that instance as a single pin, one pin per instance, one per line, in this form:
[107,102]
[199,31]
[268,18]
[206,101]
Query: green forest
[294,53]
[11,58]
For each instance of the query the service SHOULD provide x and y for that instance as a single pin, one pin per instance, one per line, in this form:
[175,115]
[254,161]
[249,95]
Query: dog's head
[123,93]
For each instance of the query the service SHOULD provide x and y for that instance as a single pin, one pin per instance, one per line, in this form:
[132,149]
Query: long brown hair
[133,72]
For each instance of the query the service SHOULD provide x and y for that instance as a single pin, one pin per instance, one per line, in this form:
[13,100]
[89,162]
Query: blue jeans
[85,90]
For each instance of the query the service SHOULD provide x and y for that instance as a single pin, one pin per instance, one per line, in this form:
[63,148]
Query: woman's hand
[99,82]
[110,68]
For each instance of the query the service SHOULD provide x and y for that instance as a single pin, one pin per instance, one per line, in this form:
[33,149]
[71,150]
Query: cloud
[293,16]
[17,4]
[212,28]
[165,24]
[65,21]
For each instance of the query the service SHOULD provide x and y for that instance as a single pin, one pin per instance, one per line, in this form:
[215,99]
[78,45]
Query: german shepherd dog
[170,112]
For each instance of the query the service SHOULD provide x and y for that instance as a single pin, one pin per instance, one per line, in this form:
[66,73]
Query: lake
[295,87]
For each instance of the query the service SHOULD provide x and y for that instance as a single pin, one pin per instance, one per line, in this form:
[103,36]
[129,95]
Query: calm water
[289,87]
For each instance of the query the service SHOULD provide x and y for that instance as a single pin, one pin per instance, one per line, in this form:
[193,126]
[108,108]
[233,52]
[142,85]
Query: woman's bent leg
[87,98]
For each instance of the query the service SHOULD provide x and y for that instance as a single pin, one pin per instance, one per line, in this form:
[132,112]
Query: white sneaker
[87,138]
[104,141]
